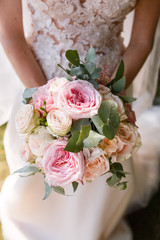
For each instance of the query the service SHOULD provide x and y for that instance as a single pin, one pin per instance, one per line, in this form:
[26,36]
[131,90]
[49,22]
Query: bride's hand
[142,37]
[15,45]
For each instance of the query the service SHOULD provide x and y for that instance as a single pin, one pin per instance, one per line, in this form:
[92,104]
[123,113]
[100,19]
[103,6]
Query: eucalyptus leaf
[90,67]
[77,71]
[75,186]
[59,190]
[71,145]
[113,180]
[27,95]
[127,99]
[119,85]
[109,131]
[94,82]
[93,139]
[27,169]
[84,133]
[104,111]
[66,70]
[98,123]
[119,74]
[91,55]
[73,57]
[48,190]
[77,124]
[122,185]
[96,74]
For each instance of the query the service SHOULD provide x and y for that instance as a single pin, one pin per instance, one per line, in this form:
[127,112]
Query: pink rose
[79,99]
[128,139]
[62,167]
[97,165]
[56,84]
[25,152]
[43,94]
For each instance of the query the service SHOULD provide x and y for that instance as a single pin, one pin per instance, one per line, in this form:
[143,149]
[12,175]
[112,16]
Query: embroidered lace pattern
[58,25]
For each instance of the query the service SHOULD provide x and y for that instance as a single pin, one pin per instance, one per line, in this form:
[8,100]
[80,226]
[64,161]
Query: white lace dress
[93,211]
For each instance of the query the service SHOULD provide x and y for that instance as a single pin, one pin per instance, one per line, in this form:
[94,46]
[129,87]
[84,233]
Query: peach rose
[59,122]
[39,140]
[26,119]
[118,103]
[109,146]
[79,99]
[25,152]
[62,167]
[97,165]
[129,141]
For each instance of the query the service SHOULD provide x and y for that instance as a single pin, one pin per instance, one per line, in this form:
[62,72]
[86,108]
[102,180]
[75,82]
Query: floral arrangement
[76,129]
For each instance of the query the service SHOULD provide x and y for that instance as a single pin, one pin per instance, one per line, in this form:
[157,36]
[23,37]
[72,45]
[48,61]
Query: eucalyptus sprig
[84,70]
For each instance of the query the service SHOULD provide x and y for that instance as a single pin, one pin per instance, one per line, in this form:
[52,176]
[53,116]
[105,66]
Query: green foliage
[93,139]
[82,70]
[110,119]
[117,173]
[48,190]
[119,85]
[75,186]
[84,133]
[127,99]
[72,143]
[27,95]
[27,169]
[59,190]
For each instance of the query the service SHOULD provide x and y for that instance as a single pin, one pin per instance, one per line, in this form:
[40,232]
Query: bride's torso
[56,26]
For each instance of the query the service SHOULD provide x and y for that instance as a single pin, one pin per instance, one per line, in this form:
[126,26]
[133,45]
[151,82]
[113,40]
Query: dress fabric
[93,211]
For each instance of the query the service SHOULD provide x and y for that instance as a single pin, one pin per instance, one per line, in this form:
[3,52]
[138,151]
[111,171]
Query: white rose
[118,103]
[25,152]
[59,122]
[56,83]
[39,140]
[26,119]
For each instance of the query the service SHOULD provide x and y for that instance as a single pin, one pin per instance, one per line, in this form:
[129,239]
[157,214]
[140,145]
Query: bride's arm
[15,45]
[142,37]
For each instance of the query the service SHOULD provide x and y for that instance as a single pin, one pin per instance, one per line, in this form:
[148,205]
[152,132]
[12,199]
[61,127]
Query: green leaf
[27,169]
[127,99]
[75,186]
[84,133]
[113,180]
[66,70]
[48,190]
[109,131]
[90,67]
[104,111]
[98,123]
[93,139]
[108,113]
[119,74]
[71,145]
[27,95]
[91,55]
[77,71]
[123,185]
[59,190]
[94,82]
[77,124]
[73,57]
[96,74]
[119,85]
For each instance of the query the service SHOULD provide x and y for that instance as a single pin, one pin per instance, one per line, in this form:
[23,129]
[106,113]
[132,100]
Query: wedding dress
[52,27]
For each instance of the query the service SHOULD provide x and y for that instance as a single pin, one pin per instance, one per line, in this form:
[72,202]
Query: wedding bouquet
[77,129]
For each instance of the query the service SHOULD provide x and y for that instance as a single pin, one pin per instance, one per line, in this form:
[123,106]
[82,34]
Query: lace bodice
[58,25]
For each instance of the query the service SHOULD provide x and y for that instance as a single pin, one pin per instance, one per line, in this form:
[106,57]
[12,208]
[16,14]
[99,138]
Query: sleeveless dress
[92,213]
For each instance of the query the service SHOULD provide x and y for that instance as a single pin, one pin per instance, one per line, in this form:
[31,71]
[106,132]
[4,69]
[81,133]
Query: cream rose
[59,122]
[128,140]
[26,119]
[62,167]
[118,103]
[39,140]
[79,99]
[25,152]
[97,164]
